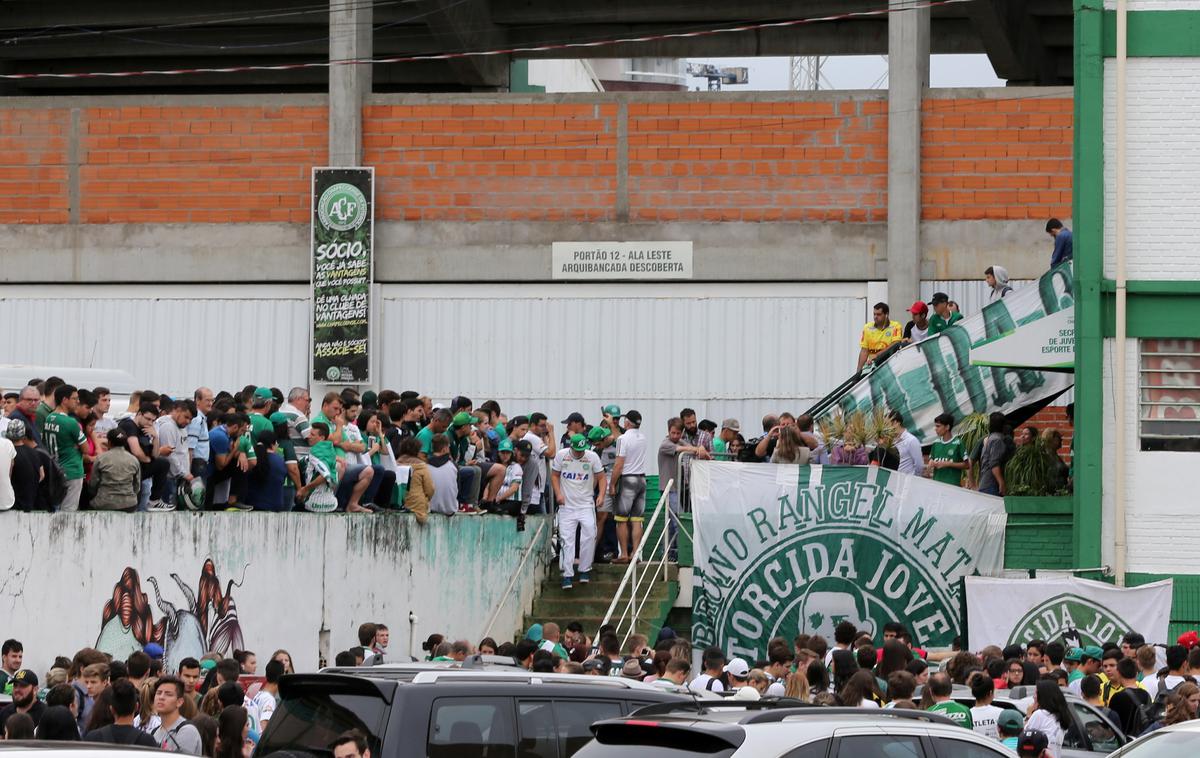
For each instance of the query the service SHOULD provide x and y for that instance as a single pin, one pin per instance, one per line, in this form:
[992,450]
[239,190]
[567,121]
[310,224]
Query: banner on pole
[937,376]
[343,226]
[1009,611]
[783,550]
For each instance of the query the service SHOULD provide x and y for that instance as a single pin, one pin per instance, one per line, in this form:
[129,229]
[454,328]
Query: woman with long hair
[844,667]
[796,686]
[790,448]
[1182,705]
[233,727]
[102,714]
[285,658]
[818,678]
[207,727]
[860,691]
[896,656]
[58,724]
[1050,715]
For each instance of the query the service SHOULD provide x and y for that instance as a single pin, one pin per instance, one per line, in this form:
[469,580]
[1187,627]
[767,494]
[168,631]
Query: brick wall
[687,158]
[33,165]
[996,158]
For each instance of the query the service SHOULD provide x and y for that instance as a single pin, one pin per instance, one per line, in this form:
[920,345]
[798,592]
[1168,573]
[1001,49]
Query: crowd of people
[217,706]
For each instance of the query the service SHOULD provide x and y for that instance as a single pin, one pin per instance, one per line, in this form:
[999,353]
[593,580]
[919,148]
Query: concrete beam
[501,251]
[466,25]
[672,11]
[908,78]
[1013,41]
[350,37]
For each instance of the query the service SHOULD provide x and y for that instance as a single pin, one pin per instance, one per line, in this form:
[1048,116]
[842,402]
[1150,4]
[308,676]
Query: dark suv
[451,713]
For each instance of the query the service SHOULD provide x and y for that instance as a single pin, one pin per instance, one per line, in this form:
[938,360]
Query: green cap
[579,442]
[505,444]
[1074,654]
[612,410]
[263,392]
[1093,652]
[597,433]
[208,664]
[462,418]
[278,418]
[535,633]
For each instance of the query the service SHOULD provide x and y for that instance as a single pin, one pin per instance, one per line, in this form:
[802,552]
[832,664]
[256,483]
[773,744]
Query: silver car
[770,730]
[1178,741]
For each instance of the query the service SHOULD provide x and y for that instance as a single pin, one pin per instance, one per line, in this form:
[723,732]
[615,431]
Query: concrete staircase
[587,603]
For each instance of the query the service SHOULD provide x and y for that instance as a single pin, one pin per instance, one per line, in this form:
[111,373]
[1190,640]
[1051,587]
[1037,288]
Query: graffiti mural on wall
[205,619]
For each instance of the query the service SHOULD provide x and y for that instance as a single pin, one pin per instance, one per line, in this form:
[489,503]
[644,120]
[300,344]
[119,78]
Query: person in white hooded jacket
[997,279]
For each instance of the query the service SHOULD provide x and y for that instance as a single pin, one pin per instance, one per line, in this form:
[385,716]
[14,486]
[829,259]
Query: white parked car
[1178,741]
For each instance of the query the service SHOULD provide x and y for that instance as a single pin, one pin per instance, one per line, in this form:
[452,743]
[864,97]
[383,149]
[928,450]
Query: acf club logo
[841,547]
[1072,617]
[342,207]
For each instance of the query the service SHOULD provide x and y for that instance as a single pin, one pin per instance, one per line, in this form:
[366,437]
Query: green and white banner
[343,225]
[783,550]
[937,376]
[1048,343]
[1007,611]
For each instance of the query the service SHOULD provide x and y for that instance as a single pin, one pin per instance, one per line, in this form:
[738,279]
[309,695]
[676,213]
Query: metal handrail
[631,572]
[487,630]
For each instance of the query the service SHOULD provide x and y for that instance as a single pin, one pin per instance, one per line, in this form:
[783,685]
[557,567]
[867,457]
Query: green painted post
[1089,270]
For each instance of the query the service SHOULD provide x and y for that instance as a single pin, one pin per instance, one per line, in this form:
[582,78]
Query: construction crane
[805,73]
[718,76]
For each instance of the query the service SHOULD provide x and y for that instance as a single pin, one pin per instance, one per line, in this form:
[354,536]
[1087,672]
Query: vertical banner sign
[343,230]
[1080,611]
[785,550]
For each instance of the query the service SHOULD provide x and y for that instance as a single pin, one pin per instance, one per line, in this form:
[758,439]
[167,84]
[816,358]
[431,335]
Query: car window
[948,747]
[537,735]
[1103,738]
[309,721]
[816,749]
[880,746]
[466,727]
[575,718]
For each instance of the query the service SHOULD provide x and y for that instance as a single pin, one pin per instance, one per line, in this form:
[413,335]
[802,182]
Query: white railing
[508,591]
[635,576]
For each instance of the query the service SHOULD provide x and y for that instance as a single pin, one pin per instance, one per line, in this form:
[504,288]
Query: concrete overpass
[1028,41]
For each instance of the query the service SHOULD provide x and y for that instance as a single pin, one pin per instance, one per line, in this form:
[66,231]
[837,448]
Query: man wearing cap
[628,485]
[739,673]
[24,698]
[1071,663]
[604,445]
[726,436]
[574,424]
[1090,661]
[576,473]
[1009,724]
[464,442]
[878,335]
[942,315]
[918,328]
[260,406]
[1033,744]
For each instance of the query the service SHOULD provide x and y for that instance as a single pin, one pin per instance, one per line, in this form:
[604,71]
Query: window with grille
[1169,391]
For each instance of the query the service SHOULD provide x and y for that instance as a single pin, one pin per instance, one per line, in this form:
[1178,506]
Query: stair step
[597,588]
[588,607]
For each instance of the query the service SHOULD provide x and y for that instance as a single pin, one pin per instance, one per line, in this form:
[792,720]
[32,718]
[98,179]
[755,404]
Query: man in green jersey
[940,687]
[65,440]
[942,315]
[948,456]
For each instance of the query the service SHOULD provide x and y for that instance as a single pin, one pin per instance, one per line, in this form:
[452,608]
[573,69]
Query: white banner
[1007,611]
[784,550]
[1046,343]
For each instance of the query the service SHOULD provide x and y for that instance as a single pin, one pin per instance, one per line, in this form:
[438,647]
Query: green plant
[1031,471]
[973,430]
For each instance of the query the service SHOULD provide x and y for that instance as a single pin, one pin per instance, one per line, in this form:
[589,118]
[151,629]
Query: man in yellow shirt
[878,335]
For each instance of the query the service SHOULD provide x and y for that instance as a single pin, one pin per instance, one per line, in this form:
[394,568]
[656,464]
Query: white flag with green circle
[783,550]
[1084,612]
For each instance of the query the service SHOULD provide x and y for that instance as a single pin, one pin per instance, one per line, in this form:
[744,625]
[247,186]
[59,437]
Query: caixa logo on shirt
[342,207]
[1069,616]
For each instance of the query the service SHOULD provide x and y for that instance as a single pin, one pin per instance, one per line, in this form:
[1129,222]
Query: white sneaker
[159,506]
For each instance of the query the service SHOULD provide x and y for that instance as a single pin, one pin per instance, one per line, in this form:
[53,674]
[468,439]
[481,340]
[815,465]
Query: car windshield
[310,721]
[1165,745]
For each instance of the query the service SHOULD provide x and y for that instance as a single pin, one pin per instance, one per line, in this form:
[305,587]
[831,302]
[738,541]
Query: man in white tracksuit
[576,475]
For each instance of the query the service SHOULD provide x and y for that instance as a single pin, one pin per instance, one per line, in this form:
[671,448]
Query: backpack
[171,736]
[1157,708]
[55,481]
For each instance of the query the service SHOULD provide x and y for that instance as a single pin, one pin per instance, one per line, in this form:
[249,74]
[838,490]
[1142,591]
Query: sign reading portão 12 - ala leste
[784,550]
[601,261]
[342,239]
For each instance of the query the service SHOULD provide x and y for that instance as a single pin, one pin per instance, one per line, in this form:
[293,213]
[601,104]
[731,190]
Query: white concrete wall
[294,576]
[563,75]
[1156,5]
[1159,487]
[1163,166]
